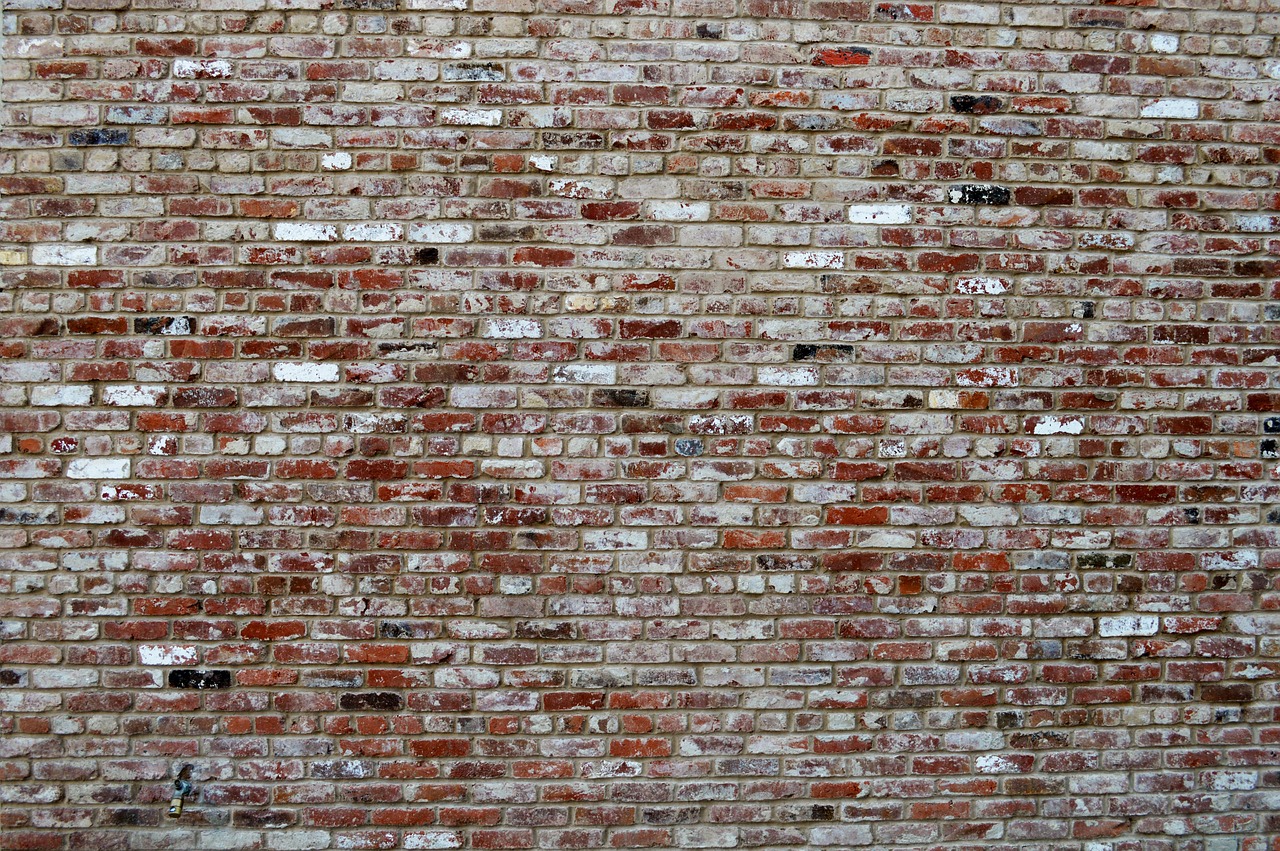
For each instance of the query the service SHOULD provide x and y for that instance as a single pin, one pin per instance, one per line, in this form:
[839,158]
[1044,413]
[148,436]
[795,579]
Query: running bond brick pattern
[585,424]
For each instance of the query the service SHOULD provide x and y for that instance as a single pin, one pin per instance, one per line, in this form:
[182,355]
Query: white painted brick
[405,70]
[167,654]
[230,515]
[434,48]
[301,137]
[373,232]
[1164,43]
[982,286]
[545,116]
[784,376]
[680,211]
[134,395]
[103,514]
[512,329]
[1128,625]
[309,372]
[968,13]
[225,838]
[98,468]
[973,740]
[436,5]
[336,161]
[826,835]
[996,764]
[615,539]
[298,840]
[1231,560]
[988,376]
[65,115]
[468,396]
[63,255]
[1258,224]
[189,69]
[880,214]
[813,260]
[1090,150]
[432,839]
[585,373]
[1059,425]
[114,493]
[162,444]
[1231,781]
[580,187]
[64,678]
[305,232]
[1267,623]
[988,515]
[1172,108]
[441,232]
[62,394]
[471,117]
[716,425]
[944,399]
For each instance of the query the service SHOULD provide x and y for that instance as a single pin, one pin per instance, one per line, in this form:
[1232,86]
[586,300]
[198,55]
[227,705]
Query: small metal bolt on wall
[182,787]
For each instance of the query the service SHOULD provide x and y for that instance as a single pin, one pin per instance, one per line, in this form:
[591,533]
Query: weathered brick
[639,424]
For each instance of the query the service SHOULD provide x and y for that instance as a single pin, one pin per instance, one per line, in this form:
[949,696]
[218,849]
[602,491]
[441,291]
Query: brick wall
[640,424]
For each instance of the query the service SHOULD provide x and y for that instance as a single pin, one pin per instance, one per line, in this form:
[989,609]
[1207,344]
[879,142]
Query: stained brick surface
[501,424]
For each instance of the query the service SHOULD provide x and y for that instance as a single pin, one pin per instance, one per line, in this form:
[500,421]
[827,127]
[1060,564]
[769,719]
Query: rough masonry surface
[606,424]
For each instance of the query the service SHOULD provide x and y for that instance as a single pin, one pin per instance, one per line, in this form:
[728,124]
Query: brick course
[501,424]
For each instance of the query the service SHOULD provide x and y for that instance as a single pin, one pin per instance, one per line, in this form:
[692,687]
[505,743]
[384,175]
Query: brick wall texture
[585,424]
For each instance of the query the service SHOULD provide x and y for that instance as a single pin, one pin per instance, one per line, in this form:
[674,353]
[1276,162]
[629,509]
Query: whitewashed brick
[406,70]
[880,214]
[813,260]
[190,69]
[301,137]
[435,48]
[336,161]
[1058,425]
[305,372]
[581,187]
[373,232]
[982,286]
[432,839]
[305,232]
[512,329]
[134,395]
[680,211]
[62,394]
[441,232]
[996,764]
[824,836]
[471,117]
[1258,224]
[1172,108]
[615,539]
[783,376]
[968,13]
[585,373]
[230,515]
[298,840]
[1128,625]
[63,255]
[98,468]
